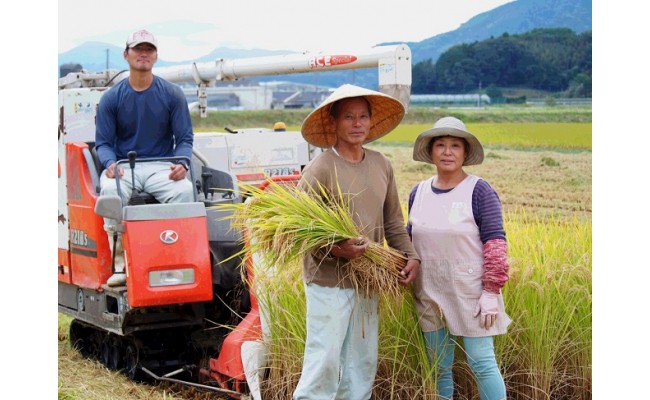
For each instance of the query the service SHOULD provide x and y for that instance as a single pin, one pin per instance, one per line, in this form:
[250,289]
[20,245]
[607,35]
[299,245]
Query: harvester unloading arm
[393,63]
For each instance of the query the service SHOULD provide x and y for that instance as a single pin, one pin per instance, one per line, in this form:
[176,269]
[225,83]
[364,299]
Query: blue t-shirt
[155,122]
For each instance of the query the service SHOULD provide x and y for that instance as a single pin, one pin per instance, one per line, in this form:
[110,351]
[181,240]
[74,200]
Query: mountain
[513,18]
[92,56]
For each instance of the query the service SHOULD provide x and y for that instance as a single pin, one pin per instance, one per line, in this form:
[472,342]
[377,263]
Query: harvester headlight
[171,277]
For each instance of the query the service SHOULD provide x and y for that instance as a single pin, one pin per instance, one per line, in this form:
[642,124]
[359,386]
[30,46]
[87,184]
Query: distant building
[450,99]
[298,99]
[297,95]
[239,95]
[250,95]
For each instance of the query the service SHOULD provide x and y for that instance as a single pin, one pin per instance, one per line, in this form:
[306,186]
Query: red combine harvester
[184,312]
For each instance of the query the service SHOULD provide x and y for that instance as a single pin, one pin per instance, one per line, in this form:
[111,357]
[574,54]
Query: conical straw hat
[386,113]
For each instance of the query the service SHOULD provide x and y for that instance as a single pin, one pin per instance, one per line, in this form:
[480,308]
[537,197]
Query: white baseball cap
[141,36]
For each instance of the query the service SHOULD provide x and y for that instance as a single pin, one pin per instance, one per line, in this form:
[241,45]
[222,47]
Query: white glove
[488,308]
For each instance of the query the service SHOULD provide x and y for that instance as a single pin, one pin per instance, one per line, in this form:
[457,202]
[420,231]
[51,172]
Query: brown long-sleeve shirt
[374,207]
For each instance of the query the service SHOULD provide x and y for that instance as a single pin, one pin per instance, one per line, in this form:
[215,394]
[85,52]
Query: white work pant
[340,360]
[150,177]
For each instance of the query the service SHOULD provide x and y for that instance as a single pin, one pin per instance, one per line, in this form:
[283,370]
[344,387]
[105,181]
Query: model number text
[78,237]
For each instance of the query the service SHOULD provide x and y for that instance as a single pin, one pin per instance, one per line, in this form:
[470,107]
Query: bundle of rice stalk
[283,223]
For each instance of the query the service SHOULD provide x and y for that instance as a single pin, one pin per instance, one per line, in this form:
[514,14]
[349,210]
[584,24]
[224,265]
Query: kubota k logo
[168,236]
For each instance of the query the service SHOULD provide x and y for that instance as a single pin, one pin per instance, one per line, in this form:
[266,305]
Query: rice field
[545,355]
[543,175]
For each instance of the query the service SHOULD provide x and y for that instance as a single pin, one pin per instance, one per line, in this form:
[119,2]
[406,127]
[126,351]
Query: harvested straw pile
[283,223]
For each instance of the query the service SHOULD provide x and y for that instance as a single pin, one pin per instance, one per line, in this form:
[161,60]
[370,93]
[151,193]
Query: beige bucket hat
[387,113]
[447,126]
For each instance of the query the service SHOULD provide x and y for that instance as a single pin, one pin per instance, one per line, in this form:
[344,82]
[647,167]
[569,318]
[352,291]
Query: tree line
[555,60]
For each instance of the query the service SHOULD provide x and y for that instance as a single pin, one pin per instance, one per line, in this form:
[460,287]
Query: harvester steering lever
[135,198]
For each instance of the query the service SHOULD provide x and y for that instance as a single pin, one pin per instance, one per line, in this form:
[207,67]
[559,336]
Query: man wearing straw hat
[340,359]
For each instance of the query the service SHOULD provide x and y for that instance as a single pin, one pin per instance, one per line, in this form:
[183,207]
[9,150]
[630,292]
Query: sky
[192,29]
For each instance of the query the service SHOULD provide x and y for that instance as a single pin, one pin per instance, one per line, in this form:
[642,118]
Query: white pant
[340,360]
[150,177]
[119,251]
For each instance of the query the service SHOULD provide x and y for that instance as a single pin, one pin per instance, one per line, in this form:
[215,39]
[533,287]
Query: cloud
[191,30]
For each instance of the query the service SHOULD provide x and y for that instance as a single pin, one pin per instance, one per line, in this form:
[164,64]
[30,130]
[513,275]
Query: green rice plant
[281,298]
[416,114]
[547,351]
[550,162]
[559,136]
[404,370]
[495,156]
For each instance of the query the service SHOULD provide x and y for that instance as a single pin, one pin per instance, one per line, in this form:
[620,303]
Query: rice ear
[283,223]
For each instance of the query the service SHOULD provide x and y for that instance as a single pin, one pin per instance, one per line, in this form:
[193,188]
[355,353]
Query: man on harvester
[148,115]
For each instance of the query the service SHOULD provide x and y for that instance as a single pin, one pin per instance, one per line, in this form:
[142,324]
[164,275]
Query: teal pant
[480,357]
